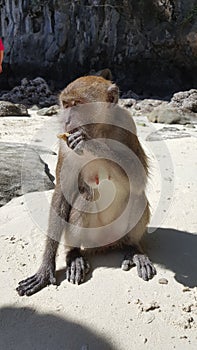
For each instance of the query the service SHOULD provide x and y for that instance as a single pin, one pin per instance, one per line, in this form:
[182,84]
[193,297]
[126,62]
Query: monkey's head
[89,89]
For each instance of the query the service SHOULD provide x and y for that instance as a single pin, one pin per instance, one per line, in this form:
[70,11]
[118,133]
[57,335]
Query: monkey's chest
[103,219]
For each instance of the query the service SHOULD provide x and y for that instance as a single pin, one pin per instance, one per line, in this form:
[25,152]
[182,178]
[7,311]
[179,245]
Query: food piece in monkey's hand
[64,136]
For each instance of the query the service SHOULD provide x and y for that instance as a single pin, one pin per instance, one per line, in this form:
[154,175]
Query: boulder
[11,109]
[49,111]
[186,100]
[169,115]
[22,170]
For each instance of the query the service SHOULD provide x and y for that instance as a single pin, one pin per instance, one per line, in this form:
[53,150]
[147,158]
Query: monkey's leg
[46,272]
[145,267]
[77,266]
[45,275]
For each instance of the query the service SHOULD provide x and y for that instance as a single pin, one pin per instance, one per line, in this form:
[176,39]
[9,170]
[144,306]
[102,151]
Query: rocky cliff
[150,45]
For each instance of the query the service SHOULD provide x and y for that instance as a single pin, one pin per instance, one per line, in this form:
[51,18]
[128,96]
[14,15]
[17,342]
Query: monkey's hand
[31,285]
[77,267]
[76,140]
[145,267]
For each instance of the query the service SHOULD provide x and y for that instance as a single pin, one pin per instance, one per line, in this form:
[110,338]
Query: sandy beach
[113,309]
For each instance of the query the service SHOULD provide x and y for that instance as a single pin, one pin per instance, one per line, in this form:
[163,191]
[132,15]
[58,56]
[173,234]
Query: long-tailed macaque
[99,200]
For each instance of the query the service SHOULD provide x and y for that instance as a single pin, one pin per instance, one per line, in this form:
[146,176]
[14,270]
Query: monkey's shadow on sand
[173,249]
[23,328]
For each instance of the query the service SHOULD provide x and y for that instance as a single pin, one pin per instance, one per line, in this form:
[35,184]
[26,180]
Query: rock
[187,308]
[150,307]
[163,281]
[168,115]
[186,289]
[49,111]
[145,107]
[22,170]
[186,100]
[11,109]
[150,319]
[34,108]
[127,102]
[150,45]
[167,133]
[31,92]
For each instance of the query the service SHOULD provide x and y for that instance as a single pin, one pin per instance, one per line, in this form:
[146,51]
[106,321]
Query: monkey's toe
[145,267]
[35,283]
[76,269]
[127,264]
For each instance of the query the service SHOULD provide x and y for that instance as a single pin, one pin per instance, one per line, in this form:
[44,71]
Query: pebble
[163,281]
[150,307]
[187,308]
[150,319]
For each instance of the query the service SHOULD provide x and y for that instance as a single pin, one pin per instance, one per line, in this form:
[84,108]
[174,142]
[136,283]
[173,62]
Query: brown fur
[87,90]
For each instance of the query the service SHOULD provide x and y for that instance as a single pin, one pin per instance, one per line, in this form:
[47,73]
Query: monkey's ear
[105,73]
[112,94]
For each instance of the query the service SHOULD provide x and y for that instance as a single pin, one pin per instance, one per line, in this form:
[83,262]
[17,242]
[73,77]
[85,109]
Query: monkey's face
[85,102]
[87,90]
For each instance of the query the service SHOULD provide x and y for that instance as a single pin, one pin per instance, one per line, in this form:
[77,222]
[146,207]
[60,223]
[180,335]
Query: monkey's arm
[46,274]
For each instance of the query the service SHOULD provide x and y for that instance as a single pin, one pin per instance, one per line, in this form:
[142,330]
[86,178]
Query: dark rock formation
[11,109]
[150,45]
[31,92]
[22,170]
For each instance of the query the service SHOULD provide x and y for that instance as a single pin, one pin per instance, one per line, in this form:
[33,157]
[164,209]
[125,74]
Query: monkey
[99,146]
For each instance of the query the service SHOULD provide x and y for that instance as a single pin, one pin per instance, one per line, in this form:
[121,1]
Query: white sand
[110,310]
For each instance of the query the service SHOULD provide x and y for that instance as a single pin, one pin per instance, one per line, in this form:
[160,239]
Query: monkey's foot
[33,284]
[76,140]
[145,267]
[77,267]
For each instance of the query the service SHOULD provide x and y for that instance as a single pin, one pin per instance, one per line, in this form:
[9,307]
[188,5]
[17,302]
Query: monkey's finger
[137,262]
[27,280]
[126,264]
[75,142]
[75,135]
[32,287]
[144,273]
[52,278]
[80,270]
[72,272]
[68,273]
[154,271]
[36,288]
[87,267]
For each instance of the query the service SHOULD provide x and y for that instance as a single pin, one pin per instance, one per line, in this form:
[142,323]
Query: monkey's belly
[104,220]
